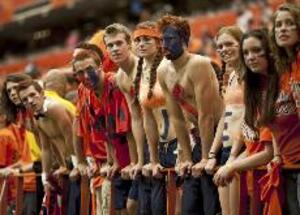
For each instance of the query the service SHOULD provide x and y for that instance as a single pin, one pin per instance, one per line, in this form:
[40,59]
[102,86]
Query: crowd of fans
[132,104]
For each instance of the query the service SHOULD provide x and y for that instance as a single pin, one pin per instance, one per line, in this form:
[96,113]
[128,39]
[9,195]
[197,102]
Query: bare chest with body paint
[179,80]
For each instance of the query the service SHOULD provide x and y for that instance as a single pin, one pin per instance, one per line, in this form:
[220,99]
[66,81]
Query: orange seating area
[8,7]
[44,62]
[61,58]
[209,22]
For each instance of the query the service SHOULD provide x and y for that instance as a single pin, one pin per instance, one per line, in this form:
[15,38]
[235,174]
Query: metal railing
[86,194]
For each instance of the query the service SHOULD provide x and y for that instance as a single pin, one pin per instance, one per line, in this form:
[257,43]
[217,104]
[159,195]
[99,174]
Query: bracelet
[44,178]
[277,155]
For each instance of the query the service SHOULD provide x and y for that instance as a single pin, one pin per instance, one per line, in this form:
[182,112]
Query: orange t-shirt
[9,154]
[103,119]
[286,125]
[92,146]
[255,140]
[25,156]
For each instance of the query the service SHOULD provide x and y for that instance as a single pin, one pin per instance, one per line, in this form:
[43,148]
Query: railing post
[3,196]
[84,195]
[171,192]
[19,197]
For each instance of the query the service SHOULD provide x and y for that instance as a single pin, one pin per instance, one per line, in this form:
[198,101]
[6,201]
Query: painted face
[86,72]
[286,32]
[145,46]
[11,89]
[172,43]
[117,47]
[228,48]
[32,99]
[254,55]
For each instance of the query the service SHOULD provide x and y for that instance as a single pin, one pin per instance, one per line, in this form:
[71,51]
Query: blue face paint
[172,43]
[93,77]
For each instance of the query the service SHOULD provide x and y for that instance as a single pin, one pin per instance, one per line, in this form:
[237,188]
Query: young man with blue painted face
[105,120]
[191,89]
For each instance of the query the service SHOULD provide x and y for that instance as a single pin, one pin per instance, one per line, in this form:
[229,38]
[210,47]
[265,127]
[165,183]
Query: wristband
[44,178]
[74,161]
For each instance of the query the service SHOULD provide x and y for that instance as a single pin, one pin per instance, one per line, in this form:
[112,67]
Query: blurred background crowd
[38,35]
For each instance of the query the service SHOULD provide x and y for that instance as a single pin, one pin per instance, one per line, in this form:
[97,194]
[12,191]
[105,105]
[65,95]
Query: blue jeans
[200,195]
[121,191]
[292,206]
[152,191]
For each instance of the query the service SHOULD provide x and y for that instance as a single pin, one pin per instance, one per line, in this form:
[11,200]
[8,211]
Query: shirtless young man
[117,39]
[191,89]
[54,123]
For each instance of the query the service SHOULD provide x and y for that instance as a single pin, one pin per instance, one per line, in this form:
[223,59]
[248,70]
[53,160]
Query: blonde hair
[115,29]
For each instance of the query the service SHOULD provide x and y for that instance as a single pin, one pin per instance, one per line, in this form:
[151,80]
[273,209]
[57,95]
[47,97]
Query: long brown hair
[282,60]
[8,105]
[155,64]
[253,98]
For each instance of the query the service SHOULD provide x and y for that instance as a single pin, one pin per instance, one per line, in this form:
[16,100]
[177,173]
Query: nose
[13,92]
[114,48]
[225,48]
[221,50]
[86,76]
[29,100]
[141,44]
[251,57]
[283,27]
